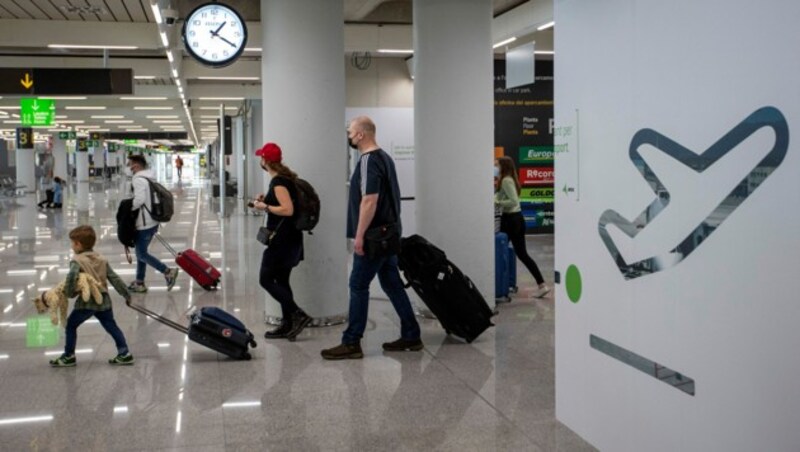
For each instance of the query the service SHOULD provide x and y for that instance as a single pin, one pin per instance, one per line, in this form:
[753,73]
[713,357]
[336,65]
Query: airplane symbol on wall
[764,117]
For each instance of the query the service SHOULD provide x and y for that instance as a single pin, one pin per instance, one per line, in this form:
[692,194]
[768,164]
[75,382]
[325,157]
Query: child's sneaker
[137,287]
[171,276]
[63,361]
[122,360]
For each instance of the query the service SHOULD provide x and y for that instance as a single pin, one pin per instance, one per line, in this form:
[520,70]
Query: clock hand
[214,33]
[231,44]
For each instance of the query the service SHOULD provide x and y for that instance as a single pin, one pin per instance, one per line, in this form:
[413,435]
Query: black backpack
[307,215]
[126,223]
[162,202]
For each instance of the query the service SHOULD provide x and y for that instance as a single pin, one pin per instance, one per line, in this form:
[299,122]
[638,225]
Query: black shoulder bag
[382,241]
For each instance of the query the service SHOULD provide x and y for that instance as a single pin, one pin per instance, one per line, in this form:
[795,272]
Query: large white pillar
[26,162]
[303,84]
[82,185]
[255,175]
[82,166]
[237,134]
[60,158]
[454,133]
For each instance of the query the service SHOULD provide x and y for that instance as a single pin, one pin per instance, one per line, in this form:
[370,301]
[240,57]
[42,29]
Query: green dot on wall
[574,284]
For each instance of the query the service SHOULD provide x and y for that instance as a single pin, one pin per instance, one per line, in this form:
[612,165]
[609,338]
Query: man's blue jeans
[106,318]
[364,271]
[143,257]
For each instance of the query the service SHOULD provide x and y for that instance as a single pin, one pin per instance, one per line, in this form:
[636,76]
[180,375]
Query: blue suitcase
[512,270]
[502,281]
[213,328]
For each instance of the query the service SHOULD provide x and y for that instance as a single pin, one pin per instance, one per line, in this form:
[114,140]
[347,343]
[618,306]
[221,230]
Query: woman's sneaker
[63,361]
[121,360]
[541,291]
[279,332]
[300,320]
[137,287]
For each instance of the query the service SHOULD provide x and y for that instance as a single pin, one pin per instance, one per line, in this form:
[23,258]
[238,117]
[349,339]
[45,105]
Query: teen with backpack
[153,205]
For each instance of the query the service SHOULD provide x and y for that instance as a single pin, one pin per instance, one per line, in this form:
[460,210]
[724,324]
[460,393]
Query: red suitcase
[195,265]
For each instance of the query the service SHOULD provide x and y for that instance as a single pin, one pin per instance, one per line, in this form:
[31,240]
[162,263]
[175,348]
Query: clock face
[214,34]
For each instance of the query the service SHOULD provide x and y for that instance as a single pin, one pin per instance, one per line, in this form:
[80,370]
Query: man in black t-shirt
[374,201]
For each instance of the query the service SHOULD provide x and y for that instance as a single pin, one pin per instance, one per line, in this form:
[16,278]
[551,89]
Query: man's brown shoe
[344,351]
[402,345]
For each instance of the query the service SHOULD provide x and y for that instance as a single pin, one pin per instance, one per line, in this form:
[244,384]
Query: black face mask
[351,144]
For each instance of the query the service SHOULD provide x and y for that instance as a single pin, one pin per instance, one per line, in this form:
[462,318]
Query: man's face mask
[351,143]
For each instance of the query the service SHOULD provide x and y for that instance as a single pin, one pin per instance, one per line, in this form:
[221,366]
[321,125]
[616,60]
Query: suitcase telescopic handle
[157,317]
[167,245]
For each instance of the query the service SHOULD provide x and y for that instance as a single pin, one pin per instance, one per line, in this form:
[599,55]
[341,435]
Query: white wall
[385,83]
[723,313]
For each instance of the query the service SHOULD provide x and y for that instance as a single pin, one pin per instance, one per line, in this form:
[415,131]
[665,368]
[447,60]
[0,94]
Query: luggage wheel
[247,356]
[253,343]
[292,339]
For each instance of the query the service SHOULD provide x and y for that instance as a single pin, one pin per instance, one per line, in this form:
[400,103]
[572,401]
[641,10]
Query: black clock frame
[200,59]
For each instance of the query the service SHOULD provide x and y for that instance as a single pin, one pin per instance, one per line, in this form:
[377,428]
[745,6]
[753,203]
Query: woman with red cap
[285,249]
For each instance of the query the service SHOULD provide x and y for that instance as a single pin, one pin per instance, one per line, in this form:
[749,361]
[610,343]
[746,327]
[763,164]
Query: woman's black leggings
[275,280]
[513,224]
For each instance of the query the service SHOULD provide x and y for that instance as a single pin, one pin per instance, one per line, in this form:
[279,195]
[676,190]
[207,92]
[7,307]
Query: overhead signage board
[37,112]
[67,135]
[65,81]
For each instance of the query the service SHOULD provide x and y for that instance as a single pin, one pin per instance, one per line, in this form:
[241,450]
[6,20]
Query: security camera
[170,16]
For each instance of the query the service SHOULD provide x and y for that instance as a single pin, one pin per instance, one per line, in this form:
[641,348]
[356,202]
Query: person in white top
[146,227]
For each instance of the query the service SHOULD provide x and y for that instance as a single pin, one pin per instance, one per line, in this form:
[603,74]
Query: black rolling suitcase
[449,294]
[213,328]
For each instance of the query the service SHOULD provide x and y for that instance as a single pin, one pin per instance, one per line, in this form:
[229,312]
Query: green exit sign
[37,112]
[67,135]
[130,141]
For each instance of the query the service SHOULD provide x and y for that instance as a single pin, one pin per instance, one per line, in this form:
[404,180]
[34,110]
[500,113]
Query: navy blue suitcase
[213,328]
[221,332]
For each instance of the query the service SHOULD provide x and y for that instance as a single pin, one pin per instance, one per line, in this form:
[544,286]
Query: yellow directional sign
[27,82]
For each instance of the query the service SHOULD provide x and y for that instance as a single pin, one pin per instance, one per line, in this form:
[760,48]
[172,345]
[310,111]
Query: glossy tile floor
[495,394]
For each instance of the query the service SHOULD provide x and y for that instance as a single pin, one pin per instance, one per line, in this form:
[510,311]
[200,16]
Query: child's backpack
[162,203]
[307,215]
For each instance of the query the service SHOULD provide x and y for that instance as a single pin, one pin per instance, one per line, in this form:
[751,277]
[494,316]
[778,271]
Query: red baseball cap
[271,152]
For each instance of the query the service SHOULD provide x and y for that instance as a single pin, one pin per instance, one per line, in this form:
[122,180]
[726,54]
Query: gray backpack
[162,202]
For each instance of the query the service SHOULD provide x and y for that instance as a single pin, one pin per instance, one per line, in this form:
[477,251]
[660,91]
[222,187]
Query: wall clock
[214,34]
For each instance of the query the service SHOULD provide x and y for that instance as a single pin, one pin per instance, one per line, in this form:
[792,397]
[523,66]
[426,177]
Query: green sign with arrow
[37,112]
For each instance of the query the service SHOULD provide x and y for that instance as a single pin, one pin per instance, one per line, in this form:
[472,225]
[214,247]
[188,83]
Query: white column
[310,35]
[82,186]
[255,175]
[26,173]
[82,166]
[60,158]
[238,154]
[454,133]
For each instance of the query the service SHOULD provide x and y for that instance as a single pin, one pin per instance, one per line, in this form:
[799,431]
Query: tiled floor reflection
[495,394]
